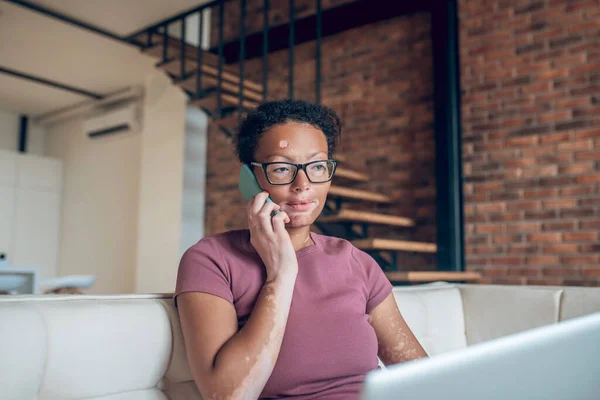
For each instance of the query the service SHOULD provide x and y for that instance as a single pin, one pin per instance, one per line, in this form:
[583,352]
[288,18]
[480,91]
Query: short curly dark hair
[278,112]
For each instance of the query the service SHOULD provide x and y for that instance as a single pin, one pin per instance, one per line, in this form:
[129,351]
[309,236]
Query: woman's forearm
[245,363]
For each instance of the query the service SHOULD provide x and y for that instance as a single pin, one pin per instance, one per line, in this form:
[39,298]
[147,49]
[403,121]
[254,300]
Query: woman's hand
[270,238]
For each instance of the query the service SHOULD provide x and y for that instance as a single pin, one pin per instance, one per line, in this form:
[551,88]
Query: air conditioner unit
[120,119]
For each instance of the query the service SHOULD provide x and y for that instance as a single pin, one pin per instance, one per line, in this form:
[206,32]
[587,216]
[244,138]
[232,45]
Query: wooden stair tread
[156,50]
[357,194]
[346,173]
[346,215]
[210,82]
[432,276]
[174,68]
[209,103]
[396,245]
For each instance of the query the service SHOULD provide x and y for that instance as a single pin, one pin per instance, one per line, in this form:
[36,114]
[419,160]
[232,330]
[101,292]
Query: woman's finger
[279,222]
[259,201]
[263,218]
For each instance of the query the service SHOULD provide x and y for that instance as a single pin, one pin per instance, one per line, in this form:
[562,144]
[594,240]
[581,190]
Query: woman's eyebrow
[289,158]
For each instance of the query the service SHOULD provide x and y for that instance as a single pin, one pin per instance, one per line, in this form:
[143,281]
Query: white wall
[161,186]
[99,210]
[9,134]
[122,199]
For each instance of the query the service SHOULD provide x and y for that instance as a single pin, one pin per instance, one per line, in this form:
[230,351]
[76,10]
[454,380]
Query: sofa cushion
[492,311]
[434,313]
[146,394]
[578,301]
[103,348]
[22,353]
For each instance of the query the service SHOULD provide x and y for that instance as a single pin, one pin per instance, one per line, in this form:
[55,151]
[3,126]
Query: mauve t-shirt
[328,346]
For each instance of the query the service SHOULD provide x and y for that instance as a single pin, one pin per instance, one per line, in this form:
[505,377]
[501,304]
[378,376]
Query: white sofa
[130,347]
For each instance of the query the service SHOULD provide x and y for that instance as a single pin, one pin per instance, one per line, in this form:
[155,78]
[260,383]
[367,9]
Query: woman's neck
[300,237]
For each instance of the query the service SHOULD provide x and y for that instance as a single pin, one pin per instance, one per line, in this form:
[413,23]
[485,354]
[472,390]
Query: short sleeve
[378,287]
[202,269]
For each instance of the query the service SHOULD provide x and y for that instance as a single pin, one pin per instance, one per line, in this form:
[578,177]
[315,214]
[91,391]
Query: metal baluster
[265,61]
[164,43]
[182,49]
[220,61]
[291,51]
[242,57]
[199,55]
[318,54]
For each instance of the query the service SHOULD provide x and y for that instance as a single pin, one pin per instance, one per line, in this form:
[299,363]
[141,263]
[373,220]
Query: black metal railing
[163,28]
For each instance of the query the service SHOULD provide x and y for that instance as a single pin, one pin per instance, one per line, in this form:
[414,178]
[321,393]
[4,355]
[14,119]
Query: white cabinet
[7,217]
[30,202]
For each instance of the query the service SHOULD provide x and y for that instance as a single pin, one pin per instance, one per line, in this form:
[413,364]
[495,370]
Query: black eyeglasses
[283,173]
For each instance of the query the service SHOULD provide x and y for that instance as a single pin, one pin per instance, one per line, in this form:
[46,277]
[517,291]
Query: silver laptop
[559,361]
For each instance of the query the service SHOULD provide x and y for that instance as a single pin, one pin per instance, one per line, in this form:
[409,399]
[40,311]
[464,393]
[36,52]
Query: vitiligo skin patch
[283,144]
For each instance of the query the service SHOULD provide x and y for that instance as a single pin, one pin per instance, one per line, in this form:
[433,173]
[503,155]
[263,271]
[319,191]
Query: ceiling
[42,46]
[121,17]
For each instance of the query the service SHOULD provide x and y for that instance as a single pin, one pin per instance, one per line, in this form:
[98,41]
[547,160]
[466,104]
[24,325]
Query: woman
[277,311]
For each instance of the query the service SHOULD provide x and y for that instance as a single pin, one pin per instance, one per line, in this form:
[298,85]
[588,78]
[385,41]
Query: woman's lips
[301,205]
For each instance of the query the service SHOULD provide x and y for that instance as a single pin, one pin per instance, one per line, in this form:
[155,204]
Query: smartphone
[249,185]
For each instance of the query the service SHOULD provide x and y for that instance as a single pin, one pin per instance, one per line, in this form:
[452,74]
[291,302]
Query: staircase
[224,93]
[212,86]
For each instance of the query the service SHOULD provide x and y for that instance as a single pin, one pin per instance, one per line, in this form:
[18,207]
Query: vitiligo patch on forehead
[283,144]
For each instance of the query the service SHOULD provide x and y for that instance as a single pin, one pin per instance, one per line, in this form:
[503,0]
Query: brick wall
[531,131]
[378,78]
[279,12]
[531,134]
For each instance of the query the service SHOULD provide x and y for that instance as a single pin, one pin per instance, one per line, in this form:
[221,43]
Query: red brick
[523,227]
[522,248]
[542,260]
[547,237]
[539,193]
[558,225]
[587,179]
[576,190]
[580,260]
[555,137]
[591,271]
[506,239]
[491,207]
[549,170]
[488,228]
[560,203]
[576,168]
[561,248]
[585,144]
[524,205]
[506,260]
[523,271]
[580,236]
[587,133]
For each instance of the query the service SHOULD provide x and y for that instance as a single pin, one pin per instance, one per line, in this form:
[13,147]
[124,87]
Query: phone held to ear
[249,185]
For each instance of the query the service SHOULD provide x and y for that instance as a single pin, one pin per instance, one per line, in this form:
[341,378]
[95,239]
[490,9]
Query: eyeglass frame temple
[298,168]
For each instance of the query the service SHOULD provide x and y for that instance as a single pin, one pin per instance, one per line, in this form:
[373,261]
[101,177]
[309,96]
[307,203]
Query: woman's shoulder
[332,245]
[223,242]
[336,246]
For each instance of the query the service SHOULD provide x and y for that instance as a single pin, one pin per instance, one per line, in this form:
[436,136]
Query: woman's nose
[301,182]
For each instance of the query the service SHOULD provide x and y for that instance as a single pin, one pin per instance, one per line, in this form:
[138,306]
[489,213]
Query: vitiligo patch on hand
[283,144]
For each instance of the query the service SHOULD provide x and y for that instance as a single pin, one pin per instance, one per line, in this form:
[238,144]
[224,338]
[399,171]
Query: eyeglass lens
[282,173]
